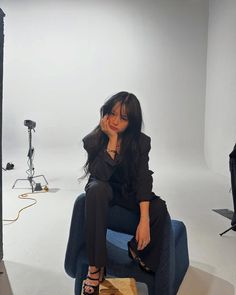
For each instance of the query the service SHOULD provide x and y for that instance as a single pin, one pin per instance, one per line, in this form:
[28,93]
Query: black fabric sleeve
[103,166]
[144,179]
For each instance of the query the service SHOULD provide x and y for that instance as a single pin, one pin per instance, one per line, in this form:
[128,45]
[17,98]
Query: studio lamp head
[30,124]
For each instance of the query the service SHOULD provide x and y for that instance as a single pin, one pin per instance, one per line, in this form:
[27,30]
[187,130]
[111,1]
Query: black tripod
[233,227]
[30,171]
[232,167]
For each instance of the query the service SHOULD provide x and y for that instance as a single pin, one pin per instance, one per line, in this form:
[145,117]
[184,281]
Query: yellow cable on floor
[25,197]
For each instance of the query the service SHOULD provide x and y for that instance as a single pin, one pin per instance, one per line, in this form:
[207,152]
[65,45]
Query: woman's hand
[104,124]
[143,234]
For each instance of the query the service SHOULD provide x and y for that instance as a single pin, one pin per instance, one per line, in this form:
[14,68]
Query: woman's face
[118,119]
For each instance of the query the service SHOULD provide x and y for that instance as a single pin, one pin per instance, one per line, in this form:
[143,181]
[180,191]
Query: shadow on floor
[5,287]
[199,282]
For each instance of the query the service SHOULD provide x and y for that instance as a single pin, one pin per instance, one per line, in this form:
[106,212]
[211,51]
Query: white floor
[34,245]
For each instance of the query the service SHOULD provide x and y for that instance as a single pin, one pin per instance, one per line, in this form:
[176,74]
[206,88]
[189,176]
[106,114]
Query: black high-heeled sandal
[95,288]
[136,258]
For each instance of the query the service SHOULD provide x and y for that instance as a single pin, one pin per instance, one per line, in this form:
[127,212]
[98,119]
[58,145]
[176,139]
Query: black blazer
[104,168]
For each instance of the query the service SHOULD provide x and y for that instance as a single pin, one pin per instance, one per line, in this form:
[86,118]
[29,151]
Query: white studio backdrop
[220,130]
[64,58]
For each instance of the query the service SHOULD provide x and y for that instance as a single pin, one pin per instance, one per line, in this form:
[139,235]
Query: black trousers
[99,197]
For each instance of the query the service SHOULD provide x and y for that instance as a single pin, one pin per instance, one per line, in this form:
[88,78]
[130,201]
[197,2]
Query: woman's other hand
[143,234]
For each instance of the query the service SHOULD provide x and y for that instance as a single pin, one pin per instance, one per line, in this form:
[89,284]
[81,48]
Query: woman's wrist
[144,211]
[144,218]
[112,143]
[111,147]
[113,137]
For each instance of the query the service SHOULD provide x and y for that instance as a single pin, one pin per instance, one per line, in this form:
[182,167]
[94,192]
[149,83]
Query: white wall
[220,117]
[64,58]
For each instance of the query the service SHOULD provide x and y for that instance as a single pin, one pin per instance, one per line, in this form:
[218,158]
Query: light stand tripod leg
[232,227]
[18,180]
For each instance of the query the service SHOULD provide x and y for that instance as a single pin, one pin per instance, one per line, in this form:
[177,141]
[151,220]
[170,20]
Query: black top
[104,168]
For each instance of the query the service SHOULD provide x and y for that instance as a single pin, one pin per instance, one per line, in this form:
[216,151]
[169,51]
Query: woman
[119,174]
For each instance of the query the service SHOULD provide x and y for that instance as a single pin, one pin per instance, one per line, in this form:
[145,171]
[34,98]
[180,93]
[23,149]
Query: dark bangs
[132,107]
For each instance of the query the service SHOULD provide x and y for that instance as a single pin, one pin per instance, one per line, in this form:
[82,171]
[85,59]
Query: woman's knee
[98,189]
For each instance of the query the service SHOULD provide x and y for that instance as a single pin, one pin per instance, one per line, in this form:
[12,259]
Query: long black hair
[130,137]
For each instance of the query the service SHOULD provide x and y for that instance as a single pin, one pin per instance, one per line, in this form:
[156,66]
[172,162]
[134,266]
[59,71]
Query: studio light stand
[34,186]
[232,167]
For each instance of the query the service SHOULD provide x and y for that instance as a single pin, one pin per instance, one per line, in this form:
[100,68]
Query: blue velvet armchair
[121,223]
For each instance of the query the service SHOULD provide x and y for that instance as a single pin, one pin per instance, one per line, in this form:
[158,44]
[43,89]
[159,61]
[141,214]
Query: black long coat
[127,193]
